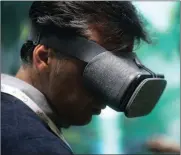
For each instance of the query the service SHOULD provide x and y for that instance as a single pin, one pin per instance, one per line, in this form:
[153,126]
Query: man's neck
[25,74]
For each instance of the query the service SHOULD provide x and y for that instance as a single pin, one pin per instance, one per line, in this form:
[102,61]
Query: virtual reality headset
[118,78]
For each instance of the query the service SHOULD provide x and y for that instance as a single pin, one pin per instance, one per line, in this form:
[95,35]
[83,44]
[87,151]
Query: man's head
[113,25]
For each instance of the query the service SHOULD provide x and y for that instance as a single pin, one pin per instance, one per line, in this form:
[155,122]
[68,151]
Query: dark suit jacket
[23,133]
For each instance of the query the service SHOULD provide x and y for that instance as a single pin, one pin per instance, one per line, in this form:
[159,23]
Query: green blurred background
[112,132]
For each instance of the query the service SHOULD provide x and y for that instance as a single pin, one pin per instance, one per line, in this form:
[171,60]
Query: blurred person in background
[52,82]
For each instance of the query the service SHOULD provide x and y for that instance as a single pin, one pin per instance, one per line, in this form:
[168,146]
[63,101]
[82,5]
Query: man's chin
[85,119]
[82,121]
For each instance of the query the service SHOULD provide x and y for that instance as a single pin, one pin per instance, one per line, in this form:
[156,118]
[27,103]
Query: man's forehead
[96,33]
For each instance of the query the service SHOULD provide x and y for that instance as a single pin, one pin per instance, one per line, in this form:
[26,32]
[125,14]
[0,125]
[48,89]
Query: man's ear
[40,57]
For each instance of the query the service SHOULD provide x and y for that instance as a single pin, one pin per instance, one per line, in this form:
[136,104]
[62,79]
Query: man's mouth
[99,106]
[96,110]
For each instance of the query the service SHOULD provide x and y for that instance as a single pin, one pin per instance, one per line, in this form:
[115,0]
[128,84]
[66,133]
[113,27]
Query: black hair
[118,21]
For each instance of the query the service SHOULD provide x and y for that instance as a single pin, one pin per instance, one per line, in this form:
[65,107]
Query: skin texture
[60,80]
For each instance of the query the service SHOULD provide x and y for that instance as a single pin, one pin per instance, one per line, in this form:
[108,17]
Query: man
[48,91]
